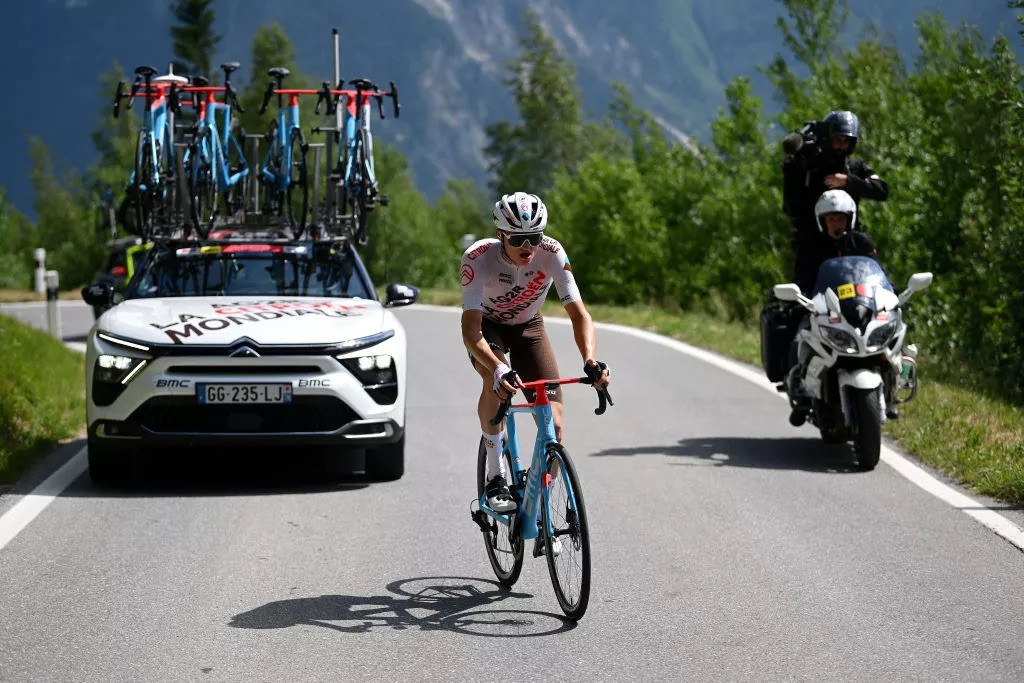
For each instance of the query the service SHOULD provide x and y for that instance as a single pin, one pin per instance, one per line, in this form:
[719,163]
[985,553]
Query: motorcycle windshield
[854,280]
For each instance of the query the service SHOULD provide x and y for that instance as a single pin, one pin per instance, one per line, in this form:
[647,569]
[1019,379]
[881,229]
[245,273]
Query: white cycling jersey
[511,294]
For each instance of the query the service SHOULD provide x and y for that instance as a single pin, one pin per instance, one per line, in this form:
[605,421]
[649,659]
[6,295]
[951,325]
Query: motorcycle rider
[835,214]
[816,160]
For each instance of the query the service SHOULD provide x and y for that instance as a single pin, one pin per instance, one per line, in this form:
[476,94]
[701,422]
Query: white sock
[491,442]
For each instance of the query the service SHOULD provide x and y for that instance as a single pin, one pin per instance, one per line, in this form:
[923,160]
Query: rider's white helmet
[520,212]
[835,201]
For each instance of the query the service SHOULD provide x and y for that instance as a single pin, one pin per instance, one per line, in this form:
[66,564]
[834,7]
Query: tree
[194,39]
[552,133]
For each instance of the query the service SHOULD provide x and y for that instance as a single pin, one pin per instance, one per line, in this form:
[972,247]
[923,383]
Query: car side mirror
[400,294]
[98,294]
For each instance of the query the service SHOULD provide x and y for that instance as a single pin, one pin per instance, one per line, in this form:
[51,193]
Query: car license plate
[244,393]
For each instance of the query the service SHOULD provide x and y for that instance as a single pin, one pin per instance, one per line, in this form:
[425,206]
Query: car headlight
[377,375]
[840,340]
[882,334]
[111,374]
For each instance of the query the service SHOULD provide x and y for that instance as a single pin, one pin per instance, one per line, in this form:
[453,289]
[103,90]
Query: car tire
[387,462]
[108,465]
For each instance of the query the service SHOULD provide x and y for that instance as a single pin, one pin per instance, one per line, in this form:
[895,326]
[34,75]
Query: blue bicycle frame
[287,121]
[216,117]
[534,489]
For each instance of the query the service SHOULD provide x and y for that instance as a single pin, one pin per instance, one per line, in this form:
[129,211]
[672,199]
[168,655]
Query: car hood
[224,320]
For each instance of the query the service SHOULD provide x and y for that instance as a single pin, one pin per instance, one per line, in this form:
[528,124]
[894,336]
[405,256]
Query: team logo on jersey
[478,251]
[467,274]
[505,278]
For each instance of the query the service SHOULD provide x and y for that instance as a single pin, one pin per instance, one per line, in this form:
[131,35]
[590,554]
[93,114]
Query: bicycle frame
[287,121]
[533,482]
[358,114]
[224,139]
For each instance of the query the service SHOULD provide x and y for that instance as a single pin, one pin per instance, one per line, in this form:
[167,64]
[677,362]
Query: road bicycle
[549,503]
[354,176]
[285,169]
[151,195]
[215,164]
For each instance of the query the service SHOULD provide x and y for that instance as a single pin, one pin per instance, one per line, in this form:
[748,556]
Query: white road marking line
[29,507]
[914,473]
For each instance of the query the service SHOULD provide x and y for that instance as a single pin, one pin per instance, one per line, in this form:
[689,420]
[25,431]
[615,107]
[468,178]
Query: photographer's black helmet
[843,123]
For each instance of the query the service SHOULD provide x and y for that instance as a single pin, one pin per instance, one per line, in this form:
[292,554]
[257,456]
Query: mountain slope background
[448,58]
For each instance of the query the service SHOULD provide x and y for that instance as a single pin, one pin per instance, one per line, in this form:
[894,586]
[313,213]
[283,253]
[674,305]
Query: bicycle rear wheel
[567,545]
[297,199]
[503,542]
[202,183]
[142,187]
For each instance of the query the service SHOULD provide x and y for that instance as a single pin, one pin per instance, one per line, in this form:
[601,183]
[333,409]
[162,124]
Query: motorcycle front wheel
[868,441]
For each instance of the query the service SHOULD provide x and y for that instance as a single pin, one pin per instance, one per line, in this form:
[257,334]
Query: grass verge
[970,436]
[42,395]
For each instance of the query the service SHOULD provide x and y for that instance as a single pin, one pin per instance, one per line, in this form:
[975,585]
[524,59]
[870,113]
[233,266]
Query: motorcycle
[851,368]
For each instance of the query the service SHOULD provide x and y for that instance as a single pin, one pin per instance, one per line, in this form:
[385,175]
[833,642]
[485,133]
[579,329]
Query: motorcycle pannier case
[778,327]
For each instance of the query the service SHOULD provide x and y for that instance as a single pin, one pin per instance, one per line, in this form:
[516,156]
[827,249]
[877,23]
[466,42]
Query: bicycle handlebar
[604,399]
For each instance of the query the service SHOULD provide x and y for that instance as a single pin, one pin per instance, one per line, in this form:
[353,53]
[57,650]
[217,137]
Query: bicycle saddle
[278,71]
[363,84]
[228,67]
[145,71]
[200,81]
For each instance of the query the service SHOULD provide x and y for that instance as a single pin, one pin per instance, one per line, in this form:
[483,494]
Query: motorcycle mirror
[919,281]
[786,292]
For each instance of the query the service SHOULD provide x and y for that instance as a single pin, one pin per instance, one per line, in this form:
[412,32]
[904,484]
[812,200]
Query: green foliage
[18,238]
[553,134]
[65,220]
[194,39]
[44,395]
[270,47]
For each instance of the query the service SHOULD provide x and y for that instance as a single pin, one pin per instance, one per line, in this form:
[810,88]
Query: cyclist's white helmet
[835,201]
[520,212]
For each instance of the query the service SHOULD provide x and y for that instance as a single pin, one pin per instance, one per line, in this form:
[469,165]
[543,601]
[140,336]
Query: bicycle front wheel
[503,542]
[297,199]
[566,536]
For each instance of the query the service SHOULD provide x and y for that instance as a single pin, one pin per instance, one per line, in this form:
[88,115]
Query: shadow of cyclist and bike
[459,604]
[809,455]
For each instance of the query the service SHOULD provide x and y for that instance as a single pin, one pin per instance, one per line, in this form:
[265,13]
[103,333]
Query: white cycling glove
[499,373]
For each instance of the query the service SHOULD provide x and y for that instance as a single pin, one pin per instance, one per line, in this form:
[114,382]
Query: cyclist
[505,279]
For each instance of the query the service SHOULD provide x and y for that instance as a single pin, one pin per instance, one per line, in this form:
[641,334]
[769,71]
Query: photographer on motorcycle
[817,159]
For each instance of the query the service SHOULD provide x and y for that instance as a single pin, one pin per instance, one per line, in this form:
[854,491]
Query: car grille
[248,369]
[181,415]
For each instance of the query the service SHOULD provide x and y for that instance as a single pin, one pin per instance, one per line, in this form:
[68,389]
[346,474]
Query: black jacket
[803,181]
[819,248]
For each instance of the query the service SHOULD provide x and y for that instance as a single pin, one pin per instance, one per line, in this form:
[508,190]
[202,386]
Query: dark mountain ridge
[447,56]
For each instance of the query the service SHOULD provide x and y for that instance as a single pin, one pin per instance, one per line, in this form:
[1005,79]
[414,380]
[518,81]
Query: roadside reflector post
[40,256]
[52,312]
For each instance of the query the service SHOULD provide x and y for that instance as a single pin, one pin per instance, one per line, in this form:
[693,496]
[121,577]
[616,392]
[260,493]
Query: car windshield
[322,270]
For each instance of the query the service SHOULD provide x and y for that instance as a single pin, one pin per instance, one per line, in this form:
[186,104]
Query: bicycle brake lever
[380,104]
[230,95]
[396,108]
[117,98]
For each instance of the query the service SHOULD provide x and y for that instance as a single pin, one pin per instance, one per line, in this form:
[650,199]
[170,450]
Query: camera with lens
[807,139]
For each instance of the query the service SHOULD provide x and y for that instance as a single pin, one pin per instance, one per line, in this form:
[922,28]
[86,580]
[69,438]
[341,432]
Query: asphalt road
[727,545]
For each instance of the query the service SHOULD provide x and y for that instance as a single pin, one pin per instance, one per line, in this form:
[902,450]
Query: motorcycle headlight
[882,334]
[840,340]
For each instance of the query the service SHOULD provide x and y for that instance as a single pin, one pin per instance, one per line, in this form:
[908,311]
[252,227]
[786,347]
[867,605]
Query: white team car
[247,341]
